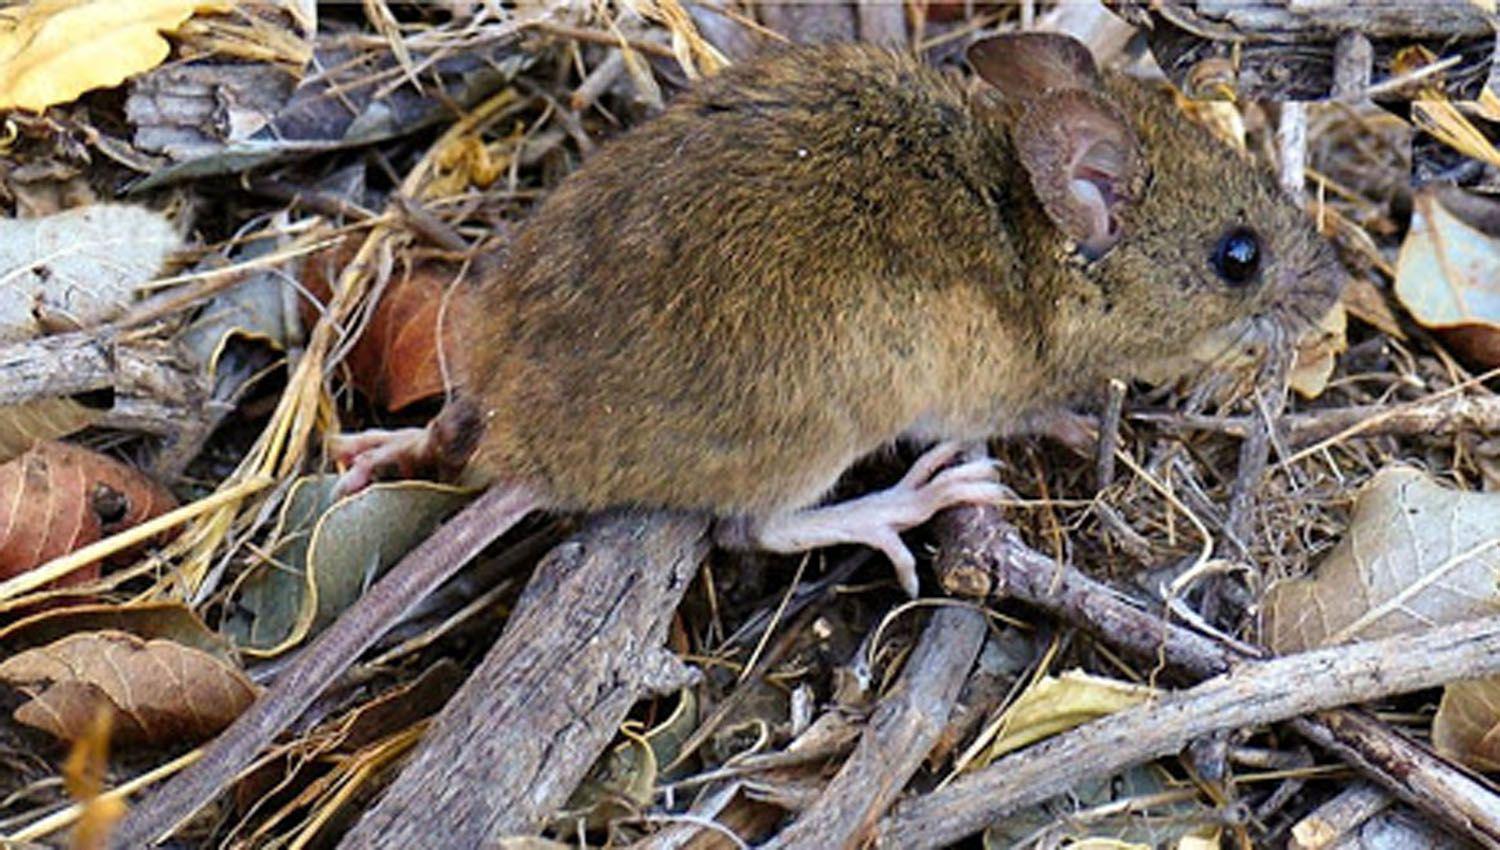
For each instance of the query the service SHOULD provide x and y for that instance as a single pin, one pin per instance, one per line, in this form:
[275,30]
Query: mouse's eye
[1236,258]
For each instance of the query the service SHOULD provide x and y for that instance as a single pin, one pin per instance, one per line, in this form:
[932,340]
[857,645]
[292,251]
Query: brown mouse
[813,255]
[807,257]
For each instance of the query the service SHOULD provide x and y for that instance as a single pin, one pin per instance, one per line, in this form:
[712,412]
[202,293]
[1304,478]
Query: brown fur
[816,253]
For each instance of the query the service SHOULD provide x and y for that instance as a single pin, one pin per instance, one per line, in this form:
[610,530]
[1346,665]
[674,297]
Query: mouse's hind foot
[375,454]
[939,479]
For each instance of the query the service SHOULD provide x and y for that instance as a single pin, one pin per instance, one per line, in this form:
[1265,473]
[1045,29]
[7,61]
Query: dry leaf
[77,268]
[58,497]
[1467,725]
[1448,278]
[1417,554]
[160,692]
[52,51]
[1317,353]
[23,425]
[327,552]
[1368,303]
[167,620]
[1055,704]
[395,362]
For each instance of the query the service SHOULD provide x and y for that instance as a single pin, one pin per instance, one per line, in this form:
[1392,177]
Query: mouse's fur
[813,254]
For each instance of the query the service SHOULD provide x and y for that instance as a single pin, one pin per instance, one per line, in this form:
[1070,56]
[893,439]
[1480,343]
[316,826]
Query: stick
[897,738]
[582,647]
[1254,695]
[981,553]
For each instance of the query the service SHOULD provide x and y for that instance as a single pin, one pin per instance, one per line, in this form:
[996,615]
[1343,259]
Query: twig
[582,647]
[981,555]
[980,551]
[1253,695]
[897,738]
[1339,816]
[1255,453]
[1109,436]
[1435,416]
[1454,798]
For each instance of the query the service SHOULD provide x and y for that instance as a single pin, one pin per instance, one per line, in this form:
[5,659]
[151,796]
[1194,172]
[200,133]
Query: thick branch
[582,647]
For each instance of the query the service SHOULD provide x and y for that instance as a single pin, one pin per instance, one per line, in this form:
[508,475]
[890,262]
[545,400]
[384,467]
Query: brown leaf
[1317,353]
[395,361]
[159,691]
[22,425]
[147,620]
[58,497]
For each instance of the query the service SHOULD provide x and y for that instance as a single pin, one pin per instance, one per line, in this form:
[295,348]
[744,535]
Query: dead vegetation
[329,169]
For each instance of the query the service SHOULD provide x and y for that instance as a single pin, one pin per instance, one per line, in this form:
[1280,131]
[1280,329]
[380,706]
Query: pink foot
[878,519]
[367,455]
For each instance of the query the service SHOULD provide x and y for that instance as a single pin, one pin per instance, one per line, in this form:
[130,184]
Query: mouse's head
[1165,238]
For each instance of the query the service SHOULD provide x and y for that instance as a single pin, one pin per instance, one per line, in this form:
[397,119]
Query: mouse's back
[729,304]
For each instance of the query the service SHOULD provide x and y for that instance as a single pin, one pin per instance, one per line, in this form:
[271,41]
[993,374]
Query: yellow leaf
[1055,704]
[52,51]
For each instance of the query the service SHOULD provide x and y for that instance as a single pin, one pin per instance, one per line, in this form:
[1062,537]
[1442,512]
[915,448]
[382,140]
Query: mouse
[817,254]
[806,257]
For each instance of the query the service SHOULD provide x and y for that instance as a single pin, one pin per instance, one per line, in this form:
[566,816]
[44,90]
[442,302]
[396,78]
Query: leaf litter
[475,116]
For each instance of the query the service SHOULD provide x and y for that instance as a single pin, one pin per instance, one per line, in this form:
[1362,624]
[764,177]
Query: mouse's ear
[1023,65]
[1085,164]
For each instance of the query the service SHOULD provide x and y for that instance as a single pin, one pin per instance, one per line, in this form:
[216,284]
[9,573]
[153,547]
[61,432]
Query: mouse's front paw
[935,482]
[878,519]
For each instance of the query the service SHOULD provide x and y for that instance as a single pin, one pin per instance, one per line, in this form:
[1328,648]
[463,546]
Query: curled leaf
[1448,273]
[395,362]
[164,619]
[159,691]
[1055,704]
[328,551]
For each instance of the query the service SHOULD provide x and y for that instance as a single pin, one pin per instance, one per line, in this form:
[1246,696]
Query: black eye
[1237,256]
